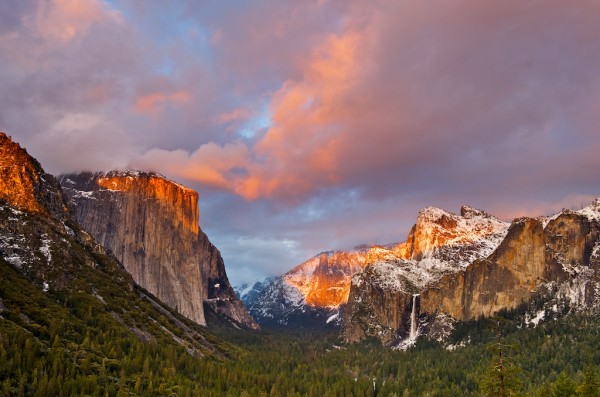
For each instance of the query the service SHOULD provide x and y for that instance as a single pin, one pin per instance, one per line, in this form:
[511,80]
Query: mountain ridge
[305,292]
[533,257]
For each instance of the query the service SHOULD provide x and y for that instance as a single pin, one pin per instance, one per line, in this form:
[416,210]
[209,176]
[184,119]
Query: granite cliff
[151,225]
[461,267]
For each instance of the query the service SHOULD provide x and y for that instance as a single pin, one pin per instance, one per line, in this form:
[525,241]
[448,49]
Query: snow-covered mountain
[461,267]
[440,243]
[452,267]
[308,295]
[248,293]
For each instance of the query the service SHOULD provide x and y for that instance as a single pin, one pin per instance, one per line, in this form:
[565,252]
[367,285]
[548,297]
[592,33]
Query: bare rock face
[151,225]
[377,307]
[503,280]
[572,257]
[472,265]
[25,185]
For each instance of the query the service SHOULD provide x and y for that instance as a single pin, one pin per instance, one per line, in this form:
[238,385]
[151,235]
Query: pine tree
[563,386]
[138,384]
[6,389]
[502,376]
[590,387]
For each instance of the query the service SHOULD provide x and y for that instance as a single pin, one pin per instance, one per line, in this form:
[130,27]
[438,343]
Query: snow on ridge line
[447,247]
[137,174]
[591,212]
[433,213]
[243,289]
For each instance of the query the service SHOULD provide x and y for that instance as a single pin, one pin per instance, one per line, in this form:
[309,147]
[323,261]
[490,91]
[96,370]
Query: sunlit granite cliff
[151,225]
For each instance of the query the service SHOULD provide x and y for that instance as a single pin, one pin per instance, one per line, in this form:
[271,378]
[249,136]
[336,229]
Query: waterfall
[413,319]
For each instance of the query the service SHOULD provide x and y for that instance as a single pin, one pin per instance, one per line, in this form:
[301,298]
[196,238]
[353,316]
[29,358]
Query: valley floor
[94,357]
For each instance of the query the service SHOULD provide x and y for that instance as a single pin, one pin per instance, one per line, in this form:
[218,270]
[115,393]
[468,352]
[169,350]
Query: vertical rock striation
[151,225]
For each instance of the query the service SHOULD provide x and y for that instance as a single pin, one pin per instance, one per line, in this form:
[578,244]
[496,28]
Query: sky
[313,125]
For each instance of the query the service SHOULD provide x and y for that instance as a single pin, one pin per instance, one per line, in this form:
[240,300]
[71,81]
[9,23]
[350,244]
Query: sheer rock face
[25,185]
[463,277]
[377,308]
[151,225]
[503,280]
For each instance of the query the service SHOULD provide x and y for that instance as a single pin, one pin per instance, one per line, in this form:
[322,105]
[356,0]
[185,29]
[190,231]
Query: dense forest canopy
[78,349]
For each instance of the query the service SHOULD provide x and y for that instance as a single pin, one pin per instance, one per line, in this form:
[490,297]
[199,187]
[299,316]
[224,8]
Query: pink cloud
[156,102]
[64,20]
[236,115]
[377,107]
[210,164]
[407,93]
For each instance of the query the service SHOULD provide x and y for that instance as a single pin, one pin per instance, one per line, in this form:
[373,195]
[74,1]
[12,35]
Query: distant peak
[592,211]
[434,213]
[468,212]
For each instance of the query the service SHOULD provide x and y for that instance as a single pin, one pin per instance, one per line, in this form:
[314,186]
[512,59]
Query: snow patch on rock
[45,248]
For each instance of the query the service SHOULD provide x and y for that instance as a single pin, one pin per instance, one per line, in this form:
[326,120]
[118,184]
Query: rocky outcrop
[311,293]
[23,183]
[455,240]
[151,225]
[464,277]
[377,307]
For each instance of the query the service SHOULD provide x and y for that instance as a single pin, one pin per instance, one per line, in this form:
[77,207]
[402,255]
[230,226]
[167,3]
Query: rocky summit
[24,184]
[151,225]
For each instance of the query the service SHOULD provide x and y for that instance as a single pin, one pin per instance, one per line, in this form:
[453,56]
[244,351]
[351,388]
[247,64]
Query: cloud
[65,20]
[412,96]
[320,122]
[155,102]
[79,142]
[210,164]
[239,114]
